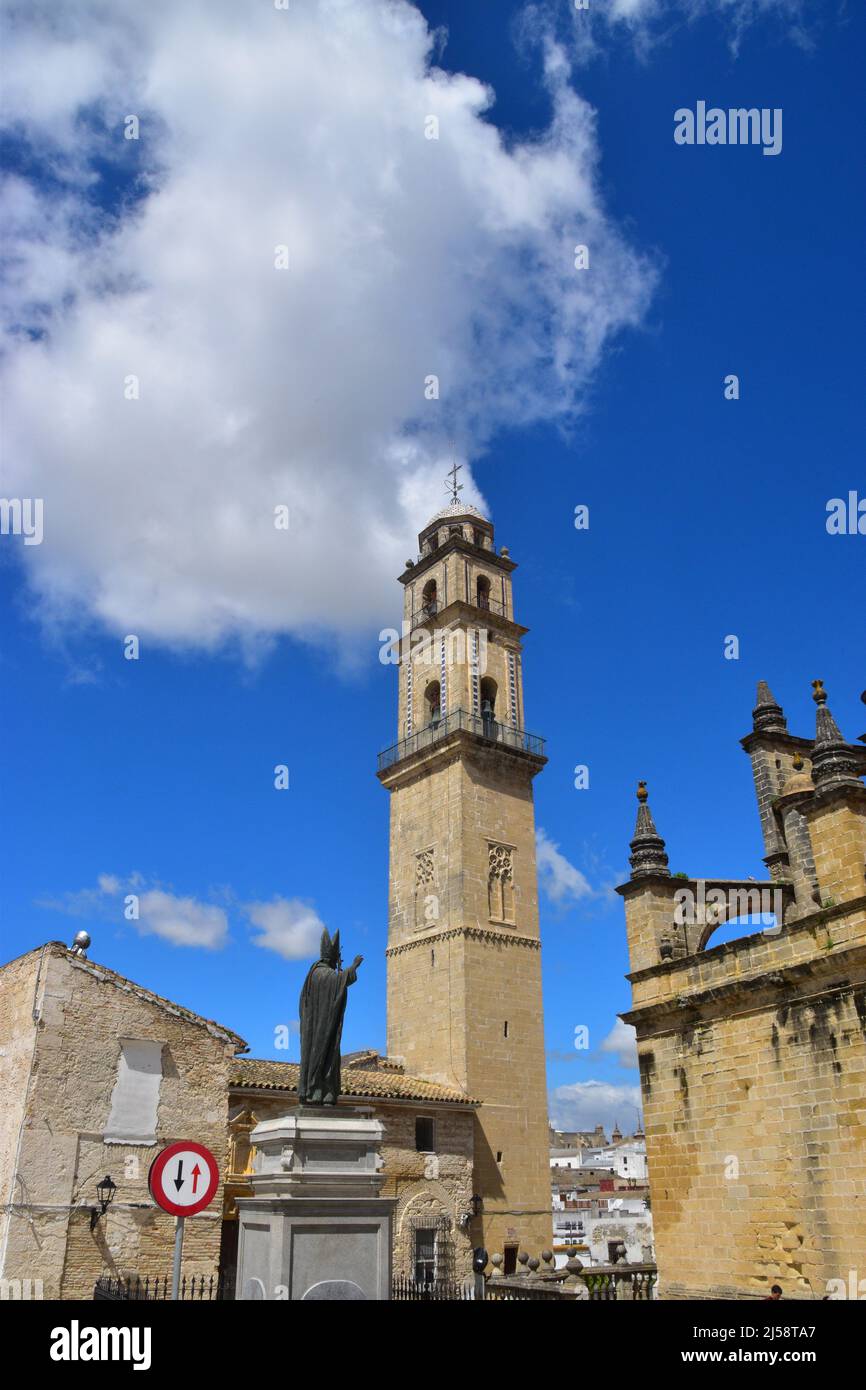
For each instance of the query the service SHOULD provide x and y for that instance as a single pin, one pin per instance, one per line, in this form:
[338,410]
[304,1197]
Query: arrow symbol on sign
[196,1173]
[178,1182]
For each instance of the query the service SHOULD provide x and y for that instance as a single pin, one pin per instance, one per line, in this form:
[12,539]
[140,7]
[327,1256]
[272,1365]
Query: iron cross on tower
[451,480]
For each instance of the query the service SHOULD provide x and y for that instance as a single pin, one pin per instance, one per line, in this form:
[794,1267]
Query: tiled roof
[254,1073]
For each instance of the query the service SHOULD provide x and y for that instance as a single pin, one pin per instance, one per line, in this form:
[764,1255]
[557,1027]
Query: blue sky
[707,516]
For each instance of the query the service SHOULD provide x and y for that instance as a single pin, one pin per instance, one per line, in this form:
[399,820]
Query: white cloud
[650,20]
[622,1042]
[182,921]
[558,878]
[288,926]
[260,387]
[589,1103]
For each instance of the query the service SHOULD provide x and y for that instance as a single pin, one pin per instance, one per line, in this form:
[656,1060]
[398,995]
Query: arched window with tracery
[500,883]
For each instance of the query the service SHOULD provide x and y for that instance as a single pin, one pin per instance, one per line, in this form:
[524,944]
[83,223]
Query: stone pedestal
[316,1226]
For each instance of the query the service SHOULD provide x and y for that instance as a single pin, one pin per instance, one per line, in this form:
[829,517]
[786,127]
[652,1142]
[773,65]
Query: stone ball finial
[534,1263]
[642,792]
[819,694]
[547,1256]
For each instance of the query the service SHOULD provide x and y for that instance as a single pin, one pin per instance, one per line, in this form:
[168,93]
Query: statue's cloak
[322,1005]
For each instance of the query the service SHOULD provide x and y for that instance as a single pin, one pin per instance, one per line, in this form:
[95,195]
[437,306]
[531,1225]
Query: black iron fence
[432,608]
[517,739]
[406,1290]
[194,1288]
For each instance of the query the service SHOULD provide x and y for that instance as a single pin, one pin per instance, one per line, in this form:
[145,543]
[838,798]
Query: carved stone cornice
[510,938]
[835,973]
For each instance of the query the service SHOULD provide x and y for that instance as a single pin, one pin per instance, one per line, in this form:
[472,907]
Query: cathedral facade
[752,1053]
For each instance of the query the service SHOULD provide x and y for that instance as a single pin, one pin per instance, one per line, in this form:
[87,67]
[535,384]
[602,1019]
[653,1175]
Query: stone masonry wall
[753,1071]
[63,1156]
[18,993]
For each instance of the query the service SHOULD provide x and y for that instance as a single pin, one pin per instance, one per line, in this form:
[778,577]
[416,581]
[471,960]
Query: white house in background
[629,1160]
[626,1160]
[627,1221]
[599,1224]
[565,1158]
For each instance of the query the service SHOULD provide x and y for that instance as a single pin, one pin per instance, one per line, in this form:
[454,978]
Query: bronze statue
[322,1005]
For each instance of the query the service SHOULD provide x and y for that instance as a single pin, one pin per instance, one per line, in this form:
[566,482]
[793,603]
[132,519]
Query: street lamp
[105,1191]
[476,1206]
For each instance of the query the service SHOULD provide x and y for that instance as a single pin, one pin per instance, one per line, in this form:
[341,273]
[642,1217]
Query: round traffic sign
[183,1178]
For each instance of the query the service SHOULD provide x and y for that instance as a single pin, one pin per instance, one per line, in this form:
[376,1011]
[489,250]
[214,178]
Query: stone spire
[832,763]
[768,716]
[648,858]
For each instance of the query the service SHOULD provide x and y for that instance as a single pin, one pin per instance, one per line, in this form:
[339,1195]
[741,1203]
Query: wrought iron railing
[490,729]
[483,604]
[491,605]
[406,1290]
[194,1288]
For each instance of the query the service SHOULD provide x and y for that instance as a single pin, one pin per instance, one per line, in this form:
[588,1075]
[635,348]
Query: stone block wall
[84,1012]
[752,1057]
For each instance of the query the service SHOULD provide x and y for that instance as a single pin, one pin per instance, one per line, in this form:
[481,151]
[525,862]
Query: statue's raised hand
[356,962]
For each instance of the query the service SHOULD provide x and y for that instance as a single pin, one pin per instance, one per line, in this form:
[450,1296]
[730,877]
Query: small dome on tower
[456,509]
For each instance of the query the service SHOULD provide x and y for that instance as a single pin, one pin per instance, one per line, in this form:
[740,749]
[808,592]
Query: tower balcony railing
[484,604]
[491,730]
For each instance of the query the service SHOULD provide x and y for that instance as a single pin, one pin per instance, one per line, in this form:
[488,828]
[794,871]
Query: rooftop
[384,1082]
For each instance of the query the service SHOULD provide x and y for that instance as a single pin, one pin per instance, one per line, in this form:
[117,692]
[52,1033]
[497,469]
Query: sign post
[183,1180]
[178,1256]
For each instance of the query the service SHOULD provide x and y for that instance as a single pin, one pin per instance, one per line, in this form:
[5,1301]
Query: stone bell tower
[464,959]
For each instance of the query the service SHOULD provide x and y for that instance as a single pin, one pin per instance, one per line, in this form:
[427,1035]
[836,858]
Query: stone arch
[433,1205]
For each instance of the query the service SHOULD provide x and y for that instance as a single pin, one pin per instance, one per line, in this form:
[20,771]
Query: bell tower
[464,959]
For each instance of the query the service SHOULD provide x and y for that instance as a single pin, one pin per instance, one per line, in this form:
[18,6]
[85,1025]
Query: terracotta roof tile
[259,1074]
